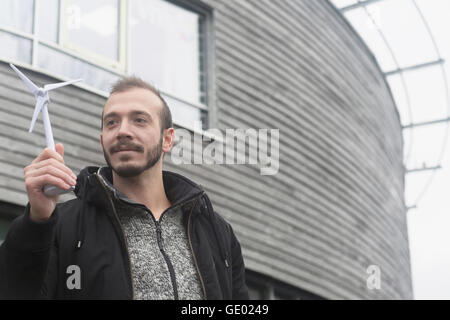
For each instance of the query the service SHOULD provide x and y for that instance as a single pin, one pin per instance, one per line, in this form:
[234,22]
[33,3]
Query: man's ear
[168,139]
[101,139]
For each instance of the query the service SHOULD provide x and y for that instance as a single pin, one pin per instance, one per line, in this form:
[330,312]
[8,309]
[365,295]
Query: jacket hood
[93,181]
[177,187]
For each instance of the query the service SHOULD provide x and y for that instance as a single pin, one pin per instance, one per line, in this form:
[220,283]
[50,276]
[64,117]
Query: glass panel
[428,102]
[436,13]
[367,28]
[93,25]
[405,32]
[182,113]
[165,47]
[15,48]
[415,184]
[73,68]
[401,98]
[48,12]
[426,145]
[17,14]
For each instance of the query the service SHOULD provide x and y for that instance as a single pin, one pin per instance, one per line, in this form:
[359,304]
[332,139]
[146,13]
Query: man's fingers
[47,154]
[60,149]
[53,171]
[51,162]
[38,183]
[48,169]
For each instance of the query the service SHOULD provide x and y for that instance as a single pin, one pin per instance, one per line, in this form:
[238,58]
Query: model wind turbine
[42,101]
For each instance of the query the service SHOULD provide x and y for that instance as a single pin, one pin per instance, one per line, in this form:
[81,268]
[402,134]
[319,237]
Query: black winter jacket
[35,258]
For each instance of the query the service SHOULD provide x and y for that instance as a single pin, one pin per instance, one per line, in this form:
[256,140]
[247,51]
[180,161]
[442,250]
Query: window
[162,41]
[95,30]
[17,15]
[262,287]
[166,48]
[15,47]
[48,20]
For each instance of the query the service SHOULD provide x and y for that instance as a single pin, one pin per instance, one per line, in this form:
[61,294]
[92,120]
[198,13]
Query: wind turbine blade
[39,103]
[49,87]
[33,88]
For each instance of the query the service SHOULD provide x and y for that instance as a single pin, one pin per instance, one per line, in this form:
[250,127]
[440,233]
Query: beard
[128,170]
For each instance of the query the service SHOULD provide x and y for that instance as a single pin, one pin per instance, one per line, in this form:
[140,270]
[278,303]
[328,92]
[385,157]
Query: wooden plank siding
[336,205]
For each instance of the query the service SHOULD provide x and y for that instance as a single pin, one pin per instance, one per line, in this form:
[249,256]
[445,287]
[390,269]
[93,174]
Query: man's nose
[124,130]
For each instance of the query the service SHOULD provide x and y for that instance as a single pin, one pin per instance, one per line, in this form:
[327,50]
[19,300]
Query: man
[133,232]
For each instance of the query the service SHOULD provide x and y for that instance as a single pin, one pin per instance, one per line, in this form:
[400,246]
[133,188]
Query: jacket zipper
[166,257]
[123,234]
[193,253]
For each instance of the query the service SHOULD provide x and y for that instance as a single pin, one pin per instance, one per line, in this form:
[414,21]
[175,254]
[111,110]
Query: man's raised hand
[47,169]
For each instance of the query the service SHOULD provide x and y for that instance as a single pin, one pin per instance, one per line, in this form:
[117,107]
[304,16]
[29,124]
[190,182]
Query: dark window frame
[207,57]
[269,288]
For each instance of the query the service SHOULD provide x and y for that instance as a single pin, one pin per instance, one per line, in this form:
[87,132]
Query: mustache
[126,145]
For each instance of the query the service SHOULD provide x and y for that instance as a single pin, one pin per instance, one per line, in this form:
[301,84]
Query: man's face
[131,135]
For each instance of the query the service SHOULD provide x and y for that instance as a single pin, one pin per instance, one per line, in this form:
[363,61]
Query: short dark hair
[130,82]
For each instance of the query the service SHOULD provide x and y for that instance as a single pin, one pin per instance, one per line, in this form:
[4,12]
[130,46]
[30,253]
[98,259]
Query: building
[333,211]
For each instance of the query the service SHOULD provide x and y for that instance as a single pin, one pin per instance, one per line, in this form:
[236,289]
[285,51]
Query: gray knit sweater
[160,269]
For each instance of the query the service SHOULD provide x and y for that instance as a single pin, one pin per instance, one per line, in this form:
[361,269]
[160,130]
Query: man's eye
[110,122]
[140,120]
